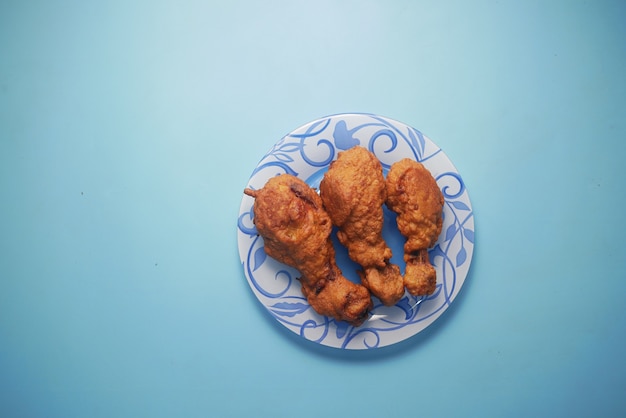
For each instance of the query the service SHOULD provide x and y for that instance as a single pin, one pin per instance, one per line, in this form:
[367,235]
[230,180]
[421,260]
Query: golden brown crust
[289,215]
[296,223]
[353,192]
[414,195]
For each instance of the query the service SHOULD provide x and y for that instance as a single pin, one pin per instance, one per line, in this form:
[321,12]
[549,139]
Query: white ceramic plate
[306,153]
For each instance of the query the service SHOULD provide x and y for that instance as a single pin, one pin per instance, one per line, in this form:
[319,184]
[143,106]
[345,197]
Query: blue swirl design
[344,137]
[310,133]
[307,152]
[456,233]
[259,256]
[243,226]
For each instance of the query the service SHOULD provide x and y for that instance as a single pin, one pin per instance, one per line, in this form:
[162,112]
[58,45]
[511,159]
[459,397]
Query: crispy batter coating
[296,229]
[413,194]
[353,191]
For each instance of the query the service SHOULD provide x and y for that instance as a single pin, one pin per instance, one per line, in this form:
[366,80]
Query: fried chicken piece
[296,229]
[353,191]
[413,194]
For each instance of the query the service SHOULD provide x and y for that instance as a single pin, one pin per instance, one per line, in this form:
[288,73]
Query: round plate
[306,153]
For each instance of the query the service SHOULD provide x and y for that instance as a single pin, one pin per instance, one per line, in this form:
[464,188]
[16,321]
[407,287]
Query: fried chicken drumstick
[353,191]
[289,215]
[413,194]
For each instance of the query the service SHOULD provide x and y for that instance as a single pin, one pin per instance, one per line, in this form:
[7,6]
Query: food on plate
[413,194]
[296,230]
[353,192]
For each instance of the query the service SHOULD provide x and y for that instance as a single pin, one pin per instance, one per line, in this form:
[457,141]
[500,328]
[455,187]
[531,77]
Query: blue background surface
[128,130]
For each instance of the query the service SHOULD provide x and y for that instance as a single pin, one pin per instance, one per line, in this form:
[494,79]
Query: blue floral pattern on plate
[306,153]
